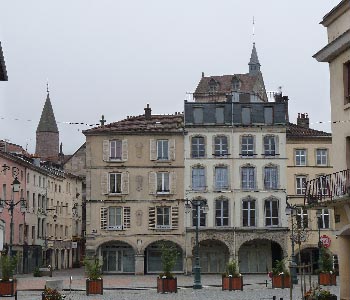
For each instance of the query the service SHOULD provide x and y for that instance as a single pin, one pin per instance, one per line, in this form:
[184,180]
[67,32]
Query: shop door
[112,261]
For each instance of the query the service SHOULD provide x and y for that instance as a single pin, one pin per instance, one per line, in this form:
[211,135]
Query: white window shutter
[105,150]
[152,218]
[172,182]
[172,149]
[103,217]
[153,149]
[125,183]
[126,217]
[104,183]
[125,150]
[175,217]
[152,183]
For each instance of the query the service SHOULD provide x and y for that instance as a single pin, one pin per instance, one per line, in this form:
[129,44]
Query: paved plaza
[130,287]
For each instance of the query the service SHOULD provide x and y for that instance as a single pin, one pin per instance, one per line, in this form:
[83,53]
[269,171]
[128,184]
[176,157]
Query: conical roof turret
[254,64]
[47,121]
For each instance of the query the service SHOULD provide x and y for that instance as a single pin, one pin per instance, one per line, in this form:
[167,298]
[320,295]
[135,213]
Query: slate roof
[139,124]
[254,60]
[3,72]
[47,121]
[297,131]
[224,83]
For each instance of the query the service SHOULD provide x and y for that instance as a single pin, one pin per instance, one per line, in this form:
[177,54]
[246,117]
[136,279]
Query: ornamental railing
[328,187]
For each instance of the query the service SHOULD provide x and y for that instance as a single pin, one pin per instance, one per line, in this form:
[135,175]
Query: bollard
[274,298]
[265,283]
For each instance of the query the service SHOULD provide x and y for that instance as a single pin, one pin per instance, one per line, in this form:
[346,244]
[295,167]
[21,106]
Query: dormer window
[212,86]
[236,84]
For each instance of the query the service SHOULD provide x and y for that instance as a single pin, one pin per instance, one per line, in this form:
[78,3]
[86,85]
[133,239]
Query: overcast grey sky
[112,57]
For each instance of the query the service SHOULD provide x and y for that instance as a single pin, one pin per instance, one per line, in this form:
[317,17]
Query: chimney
[202,74]
[303,120]
[148,112]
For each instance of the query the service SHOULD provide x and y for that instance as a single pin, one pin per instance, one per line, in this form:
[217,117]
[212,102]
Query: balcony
[327,189]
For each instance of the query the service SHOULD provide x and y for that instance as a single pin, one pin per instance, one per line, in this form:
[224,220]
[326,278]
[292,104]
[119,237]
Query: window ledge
[226,190]
[347,106]
[163,193]
[115,160]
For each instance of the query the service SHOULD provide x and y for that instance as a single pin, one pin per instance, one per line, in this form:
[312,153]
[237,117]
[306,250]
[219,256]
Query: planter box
[232,283]
[328,298]
[166,285]
[327,279]
[8,288]
[94,287]
[47,297]
[280,281]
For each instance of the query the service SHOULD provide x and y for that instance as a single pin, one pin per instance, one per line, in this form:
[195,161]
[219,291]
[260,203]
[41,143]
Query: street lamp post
[290,212]
[197,204]
[320,244]
[11,205]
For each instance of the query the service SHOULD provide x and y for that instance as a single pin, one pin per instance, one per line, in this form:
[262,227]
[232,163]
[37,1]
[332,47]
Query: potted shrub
[8,285]
[94,281]
[280,275]
[326,275]
[166,282]
[52,294]
[232,279]
[317,293]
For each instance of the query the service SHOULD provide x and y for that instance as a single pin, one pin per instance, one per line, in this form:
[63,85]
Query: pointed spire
[47,121]
[254,64]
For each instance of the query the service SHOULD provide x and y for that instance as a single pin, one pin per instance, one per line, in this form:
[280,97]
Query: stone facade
[47,144]
[226,231]
[134,191]
[309,155]
[337,54]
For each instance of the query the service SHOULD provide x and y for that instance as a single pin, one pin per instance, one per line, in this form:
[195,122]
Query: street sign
[326,241]
[74,245]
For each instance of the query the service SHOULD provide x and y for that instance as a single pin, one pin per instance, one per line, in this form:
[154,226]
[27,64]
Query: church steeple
[254,64]
[47,135]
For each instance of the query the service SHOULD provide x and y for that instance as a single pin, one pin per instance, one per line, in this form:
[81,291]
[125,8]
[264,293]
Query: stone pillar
[188,262]
[344,266]
[139,264]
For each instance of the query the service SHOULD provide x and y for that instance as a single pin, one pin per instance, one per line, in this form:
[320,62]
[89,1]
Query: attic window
[235,84]
[212,86]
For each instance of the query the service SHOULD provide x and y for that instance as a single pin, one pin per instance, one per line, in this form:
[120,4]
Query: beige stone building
[337,54]
[134,192]
[235,159]
[308,157]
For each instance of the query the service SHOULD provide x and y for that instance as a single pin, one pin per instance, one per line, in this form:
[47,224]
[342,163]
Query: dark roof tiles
[47,121]
[157,123]
[294,130]
[224,83]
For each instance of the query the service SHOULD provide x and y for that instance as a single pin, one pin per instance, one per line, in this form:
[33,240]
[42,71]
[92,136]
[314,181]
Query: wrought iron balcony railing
[327,188]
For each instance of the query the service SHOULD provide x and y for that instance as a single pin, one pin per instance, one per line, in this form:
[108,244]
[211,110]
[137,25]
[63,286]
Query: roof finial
[253,30]
[103,121]
[47,86]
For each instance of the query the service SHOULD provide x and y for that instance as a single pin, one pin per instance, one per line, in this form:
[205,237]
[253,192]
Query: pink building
[10,168]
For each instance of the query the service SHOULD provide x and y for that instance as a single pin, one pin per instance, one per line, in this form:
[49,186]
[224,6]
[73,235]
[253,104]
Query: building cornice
[334,48]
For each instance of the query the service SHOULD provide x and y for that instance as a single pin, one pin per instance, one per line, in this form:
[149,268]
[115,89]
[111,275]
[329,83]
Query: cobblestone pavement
[130,287]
